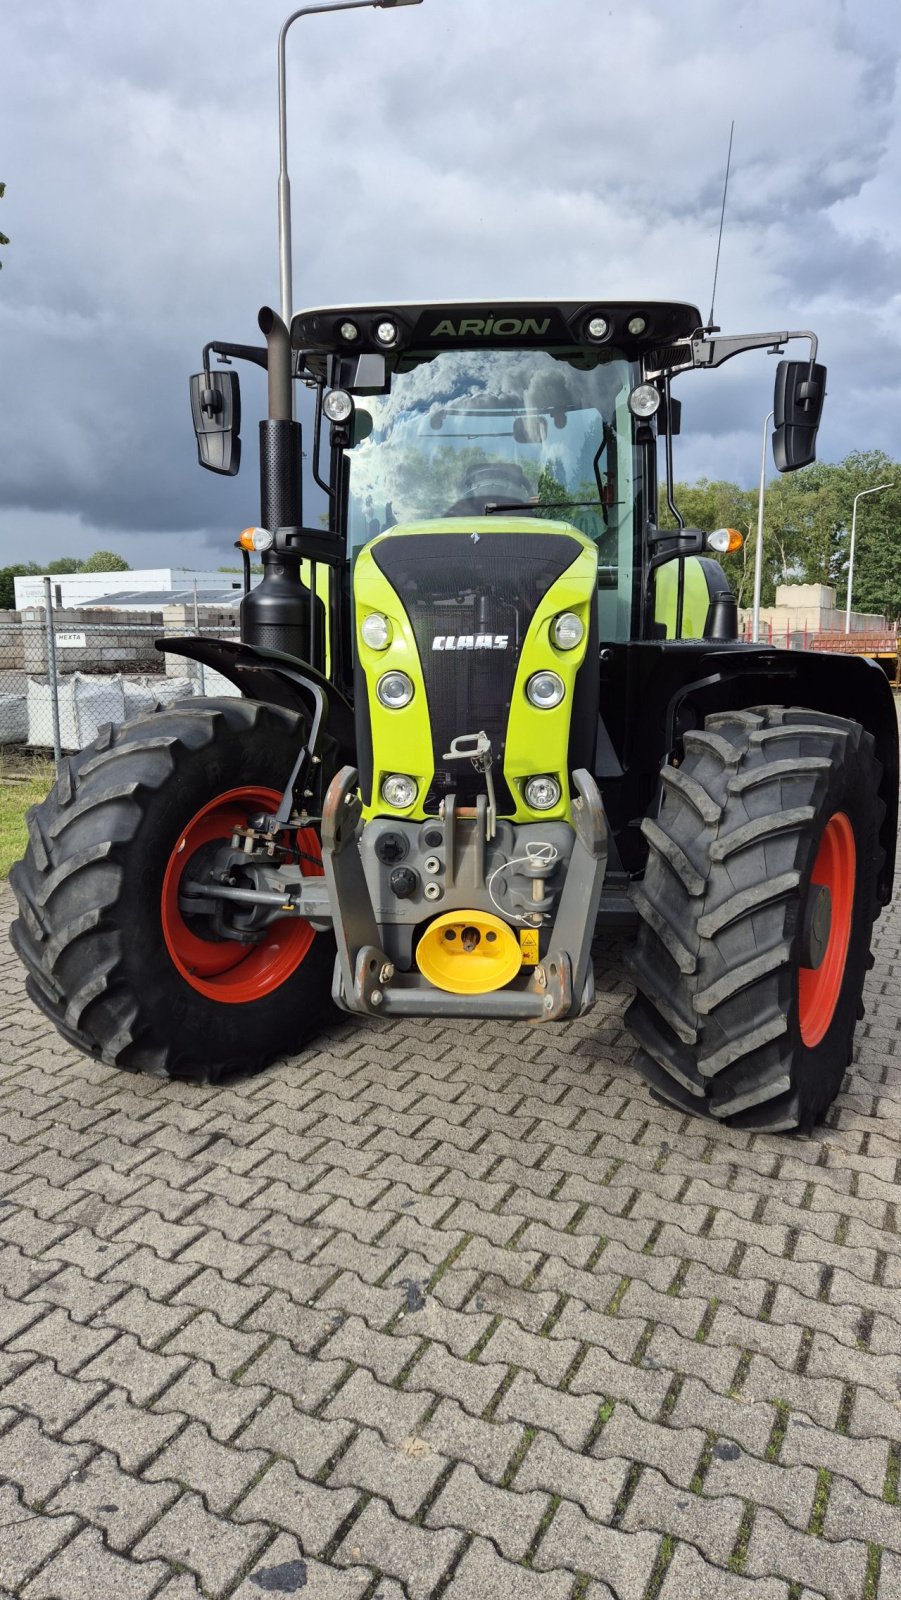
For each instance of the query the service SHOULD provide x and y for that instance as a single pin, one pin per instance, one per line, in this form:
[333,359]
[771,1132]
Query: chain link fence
[65,673]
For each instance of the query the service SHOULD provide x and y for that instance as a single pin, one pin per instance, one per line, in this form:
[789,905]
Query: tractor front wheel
[756,913]
[113,959]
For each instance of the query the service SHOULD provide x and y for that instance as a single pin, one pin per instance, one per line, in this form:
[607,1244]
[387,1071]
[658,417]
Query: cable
[536,851]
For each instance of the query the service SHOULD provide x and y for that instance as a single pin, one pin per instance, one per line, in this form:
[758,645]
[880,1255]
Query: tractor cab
[487,412]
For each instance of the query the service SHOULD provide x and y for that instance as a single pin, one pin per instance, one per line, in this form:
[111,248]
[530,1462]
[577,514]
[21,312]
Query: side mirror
[797,408]
[216,412]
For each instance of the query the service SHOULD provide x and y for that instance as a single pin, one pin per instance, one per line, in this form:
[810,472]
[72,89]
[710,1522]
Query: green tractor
[488,709]
[485,708]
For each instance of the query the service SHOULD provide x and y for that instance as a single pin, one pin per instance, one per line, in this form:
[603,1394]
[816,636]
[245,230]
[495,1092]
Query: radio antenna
[719,241]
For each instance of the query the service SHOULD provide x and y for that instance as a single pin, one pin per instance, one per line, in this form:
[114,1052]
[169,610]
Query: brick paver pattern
[438,1309]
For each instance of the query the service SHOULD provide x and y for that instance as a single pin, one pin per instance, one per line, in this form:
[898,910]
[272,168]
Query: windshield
[515,432]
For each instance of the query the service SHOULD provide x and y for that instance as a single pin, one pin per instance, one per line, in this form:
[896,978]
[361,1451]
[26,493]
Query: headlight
[598,328]
[375,631]
[542,794]
[567,631]
[399,791]
[644,401]
[386,333]
[349,332]
[636,326]
[395,690]
[338,405]
[545,690]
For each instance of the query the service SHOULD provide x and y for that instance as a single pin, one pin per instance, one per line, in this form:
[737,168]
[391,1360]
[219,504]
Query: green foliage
[3,238]
[100,561]
[807,529]
[24,569]
[104,561]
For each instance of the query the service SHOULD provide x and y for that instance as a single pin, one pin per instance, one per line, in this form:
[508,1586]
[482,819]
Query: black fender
[657,690]
[271,675]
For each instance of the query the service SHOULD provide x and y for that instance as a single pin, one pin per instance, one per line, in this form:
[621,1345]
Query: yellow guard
[468,952]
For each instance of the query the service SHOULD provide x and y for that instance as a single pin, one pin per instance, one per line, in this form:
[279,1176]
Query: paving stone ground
[444,1310]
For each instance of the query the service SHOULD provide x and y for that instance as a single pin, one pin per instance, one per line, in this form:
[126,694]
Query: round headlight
[394,690]
[545,690]
[349,332]
[636,326]
[376,631]
[598,328]
[644,400]
[399,791]
[386,332]
[542,794]
[338,405]
[567,631]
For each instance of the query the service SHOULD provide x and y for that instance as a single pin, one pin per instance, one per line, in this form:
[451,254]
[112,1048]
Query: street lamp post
[877,490]
[758,555]
[284,186]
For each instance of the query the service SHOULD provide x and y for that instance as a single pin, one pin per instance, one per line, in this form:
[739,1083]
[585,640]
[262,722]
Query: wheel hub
[817,926]
[822,960]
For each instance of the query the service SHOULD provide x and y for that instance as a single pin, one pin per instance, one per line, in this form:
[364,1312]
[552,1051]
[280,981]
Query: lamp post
[877,490]
[758,555]
[284,187]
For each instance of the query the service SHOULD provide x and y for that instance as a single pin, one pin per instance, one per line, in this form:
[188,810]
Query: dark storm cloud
[519,147]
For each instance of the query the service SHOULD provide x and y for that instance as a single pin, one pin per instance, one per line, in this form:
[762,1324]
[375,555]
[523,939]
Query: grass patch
[518,1457]
[664,1557]
[778,1431]
[23,782]
[742,1539]
[706,1322]
[871,1581]
[892,1474]
[820,1502]
[843,1420]
[615,1301]
[554,1505]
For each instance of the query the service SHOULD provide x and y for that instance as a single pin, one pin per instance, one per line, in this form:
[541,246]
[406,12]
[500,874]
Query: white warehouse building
[147,589]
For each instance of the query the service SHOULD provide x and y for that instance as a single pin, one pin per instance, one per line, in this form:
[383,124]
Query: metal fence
[65,673]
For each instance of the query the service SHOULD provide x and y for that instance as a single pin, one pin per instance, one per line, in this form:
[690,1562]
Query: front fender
[271,675]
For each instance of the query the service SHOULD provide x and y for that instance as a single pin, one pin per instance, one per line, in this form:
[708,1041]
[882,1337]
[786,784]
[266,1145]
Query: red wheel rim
[228,972]
[819,987]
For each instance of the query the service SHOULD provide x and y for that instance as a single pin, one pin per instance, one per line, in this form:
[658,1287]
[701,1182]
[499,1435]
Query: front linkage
[366,979]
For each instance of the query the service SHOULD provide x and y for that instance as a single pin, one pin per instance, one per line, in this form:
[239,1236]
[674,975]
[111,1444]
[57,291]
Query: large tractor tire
[110,958]
[755,917]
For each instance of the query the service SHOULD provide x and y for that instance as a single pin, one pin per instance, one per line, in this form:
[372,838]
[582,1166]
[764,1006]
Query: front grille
[460,586]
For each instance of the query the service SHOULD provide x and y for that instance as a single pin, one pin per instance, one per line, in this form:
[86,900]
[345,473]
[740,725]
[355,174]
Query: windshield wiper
[492,507]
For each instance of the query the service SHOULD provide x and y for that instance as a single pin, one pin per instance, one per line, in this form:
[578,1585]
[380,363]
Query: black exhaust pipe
[276,615]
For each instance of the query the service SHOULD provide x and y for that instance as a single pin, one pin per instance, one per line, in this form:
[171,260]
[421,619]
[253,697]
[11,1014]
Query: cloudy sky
[464,148]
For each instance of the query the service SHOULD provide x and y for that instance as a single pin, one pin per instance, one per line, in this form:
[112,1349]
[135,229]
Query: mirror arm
[703,352]
[668,456]
[671,544]
[317,441]
[240,352]
[713,352]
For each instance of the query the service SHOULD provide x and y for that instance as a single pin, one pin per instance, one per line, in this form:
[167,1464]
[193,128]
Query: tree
[100,561]
[710,504]
[104,561]
[24,569]
[3,238]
